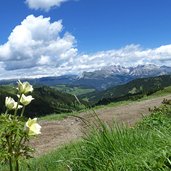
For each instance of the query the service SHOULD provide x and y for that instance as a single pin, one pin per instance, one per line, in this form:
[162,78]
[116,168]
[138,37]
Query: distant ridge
[103,78]
[130,91]
[116,75]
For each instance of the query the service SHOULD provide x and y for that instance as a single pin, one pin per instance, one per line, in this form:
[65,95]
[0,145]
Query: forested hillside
[132,90]
[46,101]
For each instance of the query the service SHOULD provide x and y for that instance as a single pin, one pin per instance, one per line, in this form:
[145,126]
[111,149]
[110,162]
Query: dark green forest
[133,90]
[46,101]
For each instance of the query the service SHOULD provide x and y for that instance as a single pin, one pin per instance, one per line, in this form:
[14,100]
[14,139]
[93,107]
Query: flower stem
[15,113]
[6,112]
[17,165]
[9,141]
[10,163]
[22,112]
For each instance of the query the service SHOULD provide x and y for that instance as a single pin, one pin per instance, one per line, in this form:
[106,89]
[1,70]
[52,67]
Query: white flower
[25,100]
[32,127]
[11,104]
[24,87]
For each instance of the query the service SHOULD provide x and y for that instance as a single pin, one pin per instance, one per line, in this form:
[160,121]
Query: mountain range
[103,78]
[116,75]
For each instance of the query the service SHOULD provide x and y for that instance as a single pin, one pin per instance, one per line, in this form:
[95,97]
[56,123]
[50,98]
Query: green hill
[130,91]
[72,89]
[47,101]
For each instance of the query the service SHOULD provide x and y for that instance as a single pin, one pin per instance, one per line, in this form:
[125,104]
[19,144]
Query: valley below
[59,132]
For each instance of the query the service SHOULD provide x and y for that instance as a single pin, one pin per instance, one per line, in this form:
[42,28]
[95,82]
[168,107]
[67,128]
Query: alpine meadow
[85,85]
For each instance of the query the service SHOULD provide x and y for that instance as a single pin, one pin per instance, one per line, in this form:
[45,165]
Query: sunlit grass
[165,91]
[75,90]
[144,147]
[57,116]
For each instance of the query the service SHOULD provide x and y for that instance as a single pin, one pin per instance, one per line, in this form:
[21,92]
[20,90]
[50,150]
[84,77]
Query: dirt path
[56,133]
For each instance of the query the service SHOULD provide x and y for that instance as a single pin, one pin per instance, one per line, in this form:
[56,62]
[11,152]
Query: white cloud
[44,4]
[36,42]
[38,47]
[44,60]
[130,55]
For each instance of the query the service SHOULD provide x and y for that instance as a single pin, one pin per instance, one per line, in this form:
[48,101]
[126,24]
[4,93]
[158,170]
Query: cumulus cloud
[38,47]
[44,4]
[37,42]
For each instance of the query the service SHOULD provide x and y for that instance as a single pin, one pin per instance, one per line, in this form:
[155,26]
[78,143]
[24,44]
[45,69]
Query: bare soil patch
[57,133]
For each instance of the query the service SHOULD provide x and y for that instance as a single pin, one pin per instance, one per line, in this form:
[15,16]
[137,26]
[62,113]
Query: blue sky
[54,37]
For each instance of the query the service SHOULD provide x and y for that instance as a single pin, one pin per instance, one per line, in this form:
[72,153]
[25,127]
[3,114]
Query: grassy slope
[160,93]
[146,146]
[132,90]
[74,90]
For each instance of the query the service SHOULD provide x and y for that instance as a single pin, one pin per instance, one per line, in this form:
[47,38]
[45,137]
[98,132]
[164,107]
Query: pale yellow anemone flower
[11,104]
[32,127]
[25,100]
[24,87]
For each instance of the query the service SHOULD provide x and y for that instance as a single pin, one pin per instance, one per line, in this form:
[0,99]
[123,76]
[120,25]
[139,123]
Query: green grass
[144,147]
[74,90]
[58,160]
[7,88]
[165,91]
[61,116]
[76,113]
[147,146]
